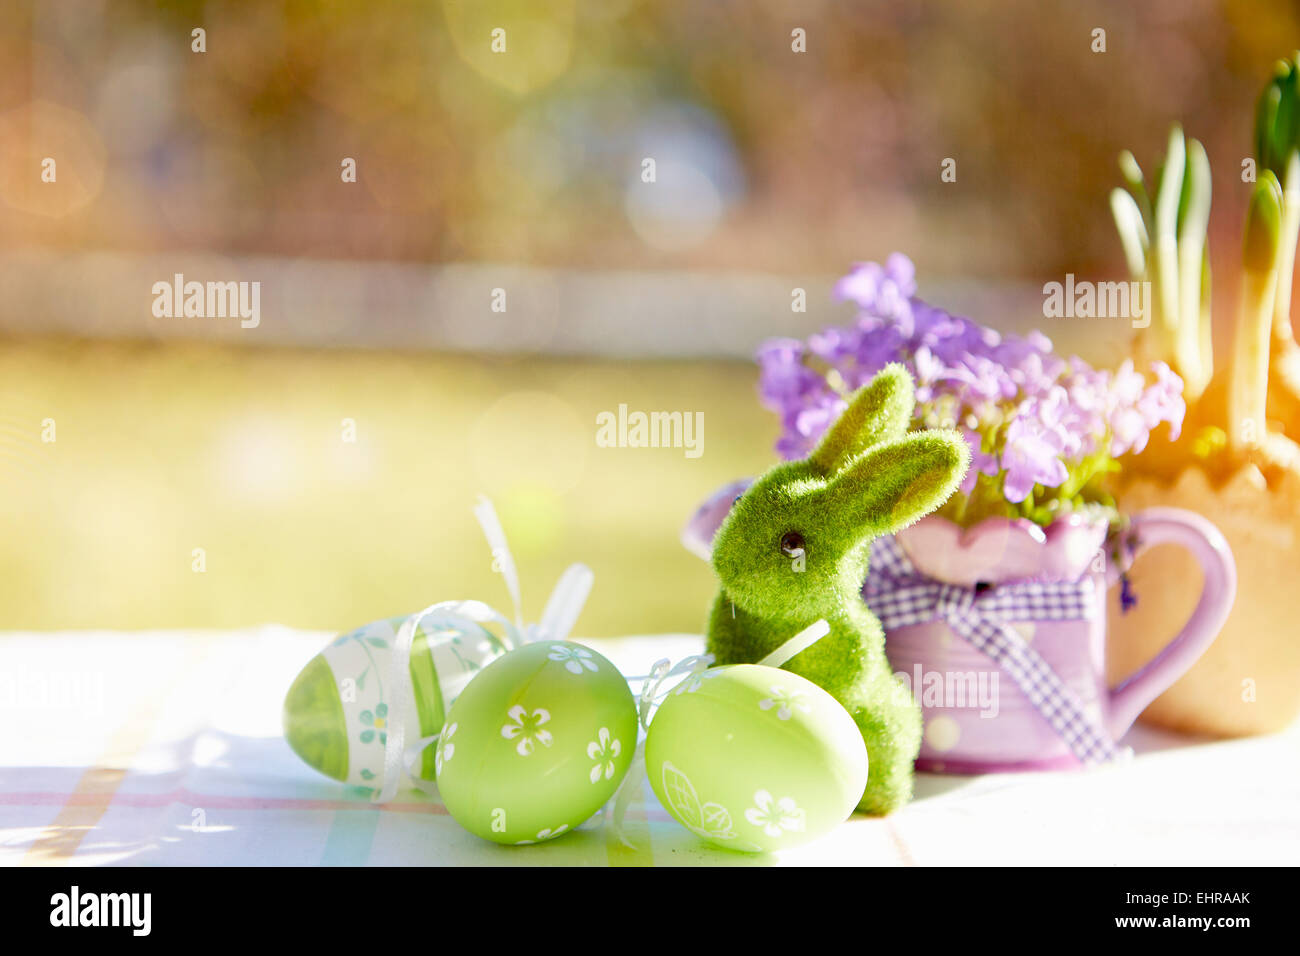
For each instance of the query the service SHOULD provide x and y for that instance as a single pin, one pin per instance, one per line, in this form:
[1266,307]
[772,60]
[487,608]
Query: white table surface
[164,747]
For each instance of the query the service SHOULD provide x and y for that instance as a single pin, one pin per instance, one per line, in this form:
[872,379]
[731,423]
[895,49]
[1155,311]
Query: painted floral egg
[536,743]
[755,758]
[336,711]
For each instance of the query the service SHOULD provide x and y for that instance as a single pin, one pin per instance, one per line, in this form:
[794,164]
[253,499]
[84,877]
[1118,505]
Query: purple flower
[929,371]
[981,463]
[1044,417]
[1127,598]
[1163,401]
[783,378]
[876,349]
[1035,441]
[1128,427]
[833,345]
[884,290]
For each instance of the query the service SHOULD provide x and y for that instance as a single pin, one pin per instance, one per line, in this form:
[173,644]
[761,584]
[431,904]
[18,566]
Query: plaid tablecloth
[164,747]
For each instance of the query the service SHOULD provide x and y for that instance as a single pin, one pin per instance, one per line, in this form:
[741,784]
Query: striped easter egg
[337,710]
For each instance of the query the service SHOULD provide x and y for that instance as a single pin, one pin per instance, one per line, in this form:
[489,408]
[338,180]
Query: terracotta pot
[1248,681]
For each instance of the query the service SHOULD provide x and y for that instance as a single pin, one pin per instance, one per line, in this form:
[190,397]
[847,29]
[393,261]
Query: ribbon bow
[900,595]
[652,692]
[449,617]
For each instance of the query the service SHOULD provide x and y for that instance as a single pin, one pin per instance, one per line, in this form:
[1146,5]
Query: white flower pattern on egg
[446,749]
[574,658]
[694,681]
[785,702]
[528,729]
[775,817]
[604,751]
[546,834]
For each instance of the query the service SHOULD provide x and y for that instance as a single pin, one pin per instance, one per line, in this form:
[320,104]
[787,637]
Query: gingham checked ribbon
[900,595]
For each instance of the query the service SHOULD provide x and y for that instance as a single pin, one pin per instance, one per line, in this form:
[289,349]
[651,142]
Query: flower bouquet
[1237,459]
[1007,581]
[1044,431]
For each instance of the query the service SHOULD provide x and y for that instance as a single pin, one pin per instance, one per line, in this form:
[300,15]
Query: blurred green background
[518,170]
[163,449]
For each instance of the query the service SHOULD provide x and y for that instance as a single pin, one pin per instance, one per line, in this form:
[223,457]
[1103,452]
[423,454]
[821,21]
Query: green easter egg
[755,758]
[337,710]
[536,743]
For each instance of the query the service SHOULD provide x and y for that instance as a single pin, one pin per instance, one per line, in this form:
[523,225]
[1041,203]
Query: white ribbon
[805,639]
[652,692]
[451,618]
[563,606]
[501,556]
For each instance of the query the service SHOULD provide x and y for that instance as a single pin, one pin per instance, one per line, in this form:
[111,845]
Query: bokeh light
[517,169]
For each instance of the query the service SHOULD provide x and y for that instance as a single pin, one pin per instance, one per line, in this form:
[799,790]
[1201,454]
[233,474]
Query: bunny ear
[878,412]
[896,483]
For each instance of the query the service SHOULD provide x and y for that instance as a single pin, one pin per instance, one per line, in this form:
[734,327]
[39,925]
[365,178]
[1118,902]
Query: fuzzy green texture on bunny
[794,548]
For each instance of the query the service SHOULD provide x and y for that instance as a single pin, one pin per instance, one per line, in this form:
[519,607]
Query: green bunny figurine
[795,547]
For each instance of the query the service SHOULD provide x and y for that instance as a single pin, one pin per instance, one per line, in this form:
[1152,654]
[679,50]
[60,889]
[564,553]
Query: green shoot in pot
[1165,245]
[1248,385]
[1277,141]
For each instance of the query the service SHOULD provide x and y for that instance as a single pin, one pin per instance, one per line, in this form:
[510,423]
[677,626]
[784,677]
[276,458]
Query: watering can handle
[1206,543]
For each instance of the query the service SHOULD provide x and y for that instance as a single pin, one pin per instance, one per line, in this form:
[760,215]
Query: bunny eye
[792,544]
